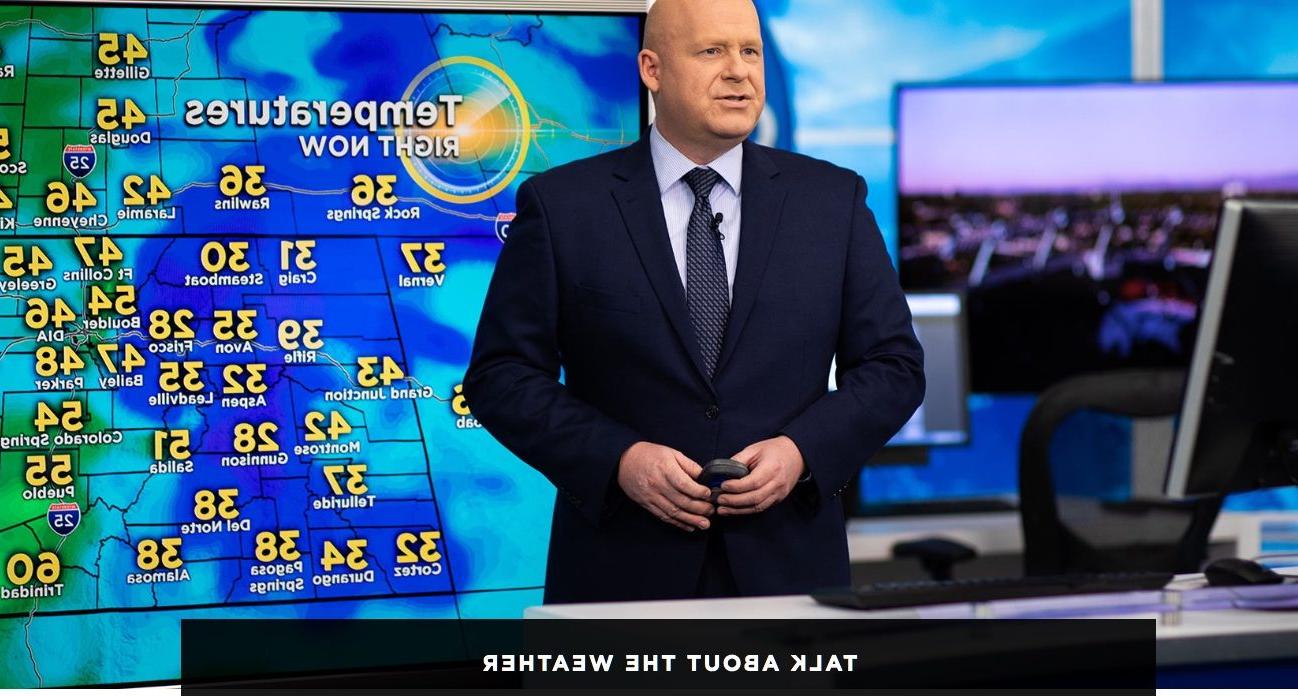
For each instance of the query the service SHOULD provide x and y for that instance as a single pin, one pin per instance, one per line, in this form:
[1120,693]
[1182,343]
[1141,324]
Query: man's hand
[774,467]
[661,480]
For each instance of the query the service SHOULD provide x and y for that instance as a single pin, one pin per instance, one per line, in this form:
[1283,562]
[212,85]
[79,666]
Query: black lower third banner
[1092,655]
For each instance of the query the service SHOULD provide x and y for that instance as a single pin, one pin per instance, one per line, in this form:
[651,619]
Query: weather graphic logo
[503,221]
[63,518]
[491,124]
[79,160]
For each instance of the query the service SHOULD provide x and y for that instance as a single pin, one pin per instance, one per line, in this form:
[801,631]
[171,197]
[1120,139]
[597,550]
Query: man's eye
[712,51]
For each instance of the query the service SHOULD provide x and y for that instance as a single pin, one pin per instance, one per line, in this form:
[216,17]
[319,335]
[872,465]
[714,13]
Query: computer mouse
[1225,572]
[718,471]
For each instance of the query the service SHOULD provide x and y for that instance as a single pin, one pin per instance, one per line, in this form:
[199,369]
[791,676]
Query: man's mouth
[734,98]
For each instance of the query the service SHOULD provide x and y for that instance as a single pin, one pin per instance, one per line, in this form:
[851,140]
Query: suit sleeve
[880,366]
[512,385]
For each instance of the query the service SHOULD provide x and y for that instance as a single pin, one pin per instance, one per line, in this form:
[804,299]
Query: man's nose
[736,68]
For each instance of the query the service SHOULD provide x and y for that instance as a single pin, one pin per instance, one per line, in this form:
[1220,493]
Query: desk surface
[1189,637]
[871,539]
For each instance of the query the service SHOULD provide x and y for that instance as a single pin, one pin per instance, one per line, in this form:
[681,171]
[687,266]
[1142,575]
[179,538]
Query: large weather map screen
[242,255]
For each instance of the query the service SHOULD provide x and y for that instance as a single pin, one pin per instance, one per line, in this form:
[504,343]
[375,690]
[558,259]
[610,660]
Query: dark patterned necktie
[707,291]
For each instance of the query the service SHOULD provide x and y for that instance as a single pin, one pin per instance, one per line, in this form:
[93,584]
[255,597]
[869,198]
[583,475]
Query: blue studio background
[846,116]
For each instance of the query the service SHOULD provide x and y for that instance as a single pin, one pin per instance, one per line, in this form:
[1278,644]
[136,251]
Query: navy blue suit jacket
[587,283]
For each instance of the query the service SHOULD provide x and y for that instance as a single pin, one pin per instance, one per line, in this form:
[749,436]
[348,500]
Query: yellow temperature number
[49,469]
[354,560]
[156,193]
[68,417]
[371,374]
[171,444]
[51,361]
[424,257]
[97,251]
[152,553]
[296,255]
[112,114]
[278,546]
[208,505]
[427,547]
[294,334]
[59,197]
[178,376]
[217,257]
[20,261]
[234,324]
[115,48]
[164,324]
[131,360]
[122,300]
[258,438]
[40,314]
[246,180]
[338,426]
[22,568]
[244,379]
[354,481]
[368,189]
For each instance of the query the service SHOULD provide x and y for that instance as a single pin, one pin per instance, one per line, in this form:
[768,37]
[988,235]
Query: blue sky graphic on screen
[841,59]
[846,116]
[1079,219]
[244,256]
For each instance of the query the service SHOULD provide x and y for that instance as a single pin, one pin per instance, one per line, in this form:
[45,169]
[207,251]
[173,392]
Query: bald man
[694,288]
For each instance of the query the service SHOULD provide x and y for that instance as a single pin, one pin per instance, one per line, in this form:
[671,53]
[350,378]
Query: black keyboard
[917,593]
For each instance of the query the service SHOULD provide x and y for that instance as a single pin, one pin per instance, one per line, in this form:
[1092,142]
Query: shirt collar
[670,165]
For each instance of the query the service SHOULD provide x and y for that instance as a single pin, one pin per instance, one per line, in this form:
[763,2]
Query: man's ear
[649,69]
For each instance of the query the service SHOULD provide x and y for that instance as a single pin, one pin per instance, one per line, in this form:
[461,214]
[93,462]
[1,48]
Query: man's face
[709,79]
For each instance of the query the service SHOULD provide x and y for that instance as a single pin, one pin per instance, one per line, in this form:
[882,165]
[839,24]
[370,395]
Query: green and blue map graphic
[242,256]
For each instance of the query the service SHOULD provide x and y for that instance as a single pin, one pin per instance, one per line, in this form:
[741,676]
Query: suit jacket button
[712,413]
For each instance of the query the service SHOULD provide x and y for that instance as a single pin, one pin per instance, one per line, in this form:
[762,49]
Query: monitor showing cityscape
[1079,219]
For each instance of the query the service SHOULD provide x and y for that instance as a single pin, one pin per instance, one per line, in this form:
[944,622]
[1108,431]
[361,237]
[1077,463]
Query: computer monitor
[1238,427]
[943,417]
[1078,219]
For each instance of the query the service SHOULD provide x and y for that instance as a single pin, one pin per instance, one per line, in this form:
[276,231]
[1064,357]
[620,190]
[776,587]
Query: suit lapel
[640,203]
[760,207]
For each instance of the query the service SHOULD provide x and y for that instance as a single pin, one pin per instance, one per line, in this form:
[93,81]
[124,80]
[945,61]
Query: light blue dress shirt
[678,200]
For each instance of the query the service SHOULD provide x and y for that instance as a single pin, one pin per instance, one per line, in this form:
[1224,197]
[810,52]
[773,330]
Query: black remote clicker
[718,471]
